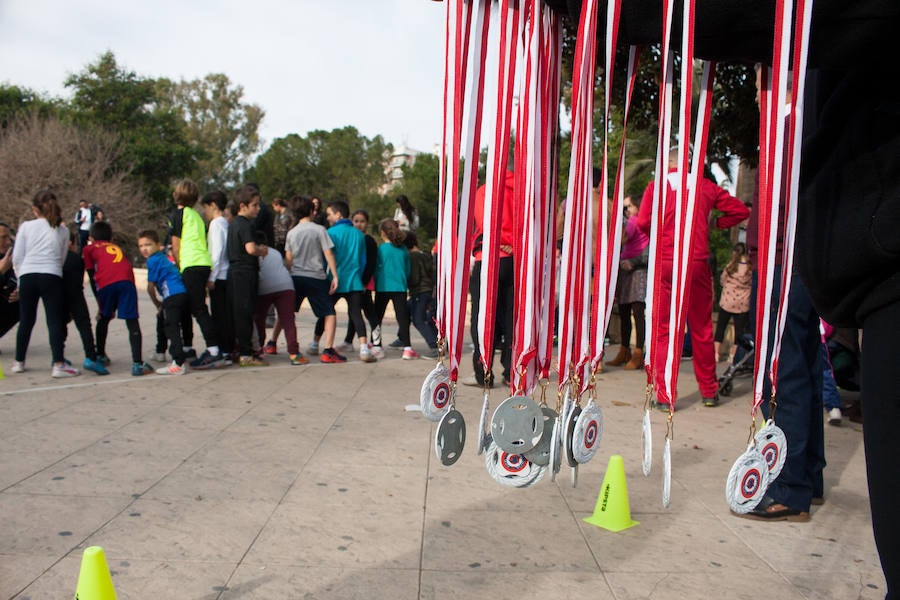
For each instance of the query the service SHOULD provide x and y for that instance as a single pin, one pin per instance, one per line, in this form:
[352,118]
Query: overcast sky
[310,64]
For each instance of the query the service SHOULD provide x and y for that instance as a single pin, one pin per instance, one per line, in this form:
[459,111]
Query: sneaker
[18,366]
[138,369]
[376,335]
[330,356]
[313,348]
[410,354]
[396,344]
[376,351]
[64,370]
[432,353]
[103,360]
[714,401]
[158,357]
[366,356]
[299,359]
[208,361]
[835,416]
[96,366]
[345,347]
[270,348]
[172,369]
[661,406]
[253,361]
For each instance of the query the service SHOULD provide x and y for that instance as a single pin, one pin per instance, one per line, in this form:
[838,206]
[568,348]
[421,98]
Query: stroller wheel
[725,388]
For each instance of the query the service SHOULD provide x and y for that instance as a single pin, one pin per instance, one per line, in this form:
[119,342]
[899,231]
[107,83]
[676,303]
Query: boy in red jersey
[113,276]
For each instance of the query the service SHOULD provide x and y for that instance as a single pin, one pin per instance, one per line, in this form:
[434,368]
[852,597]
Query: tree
[154,145]
[47,153]
[330,164]
[222,129]
[17,101]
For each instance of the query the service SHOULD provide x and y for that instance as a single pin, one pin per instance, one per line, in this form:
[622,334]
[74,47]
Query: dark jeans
[625,312]
[187,331]
[881,412]
[419,309]
[195,279]
[48,289]
[401,310]
[243,285]
[504,317]
[174,308]
[220,309]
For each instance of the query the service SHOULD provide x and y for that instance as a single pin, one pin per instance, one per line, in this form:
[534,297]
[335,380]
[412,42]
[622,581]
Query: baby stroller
[741,365]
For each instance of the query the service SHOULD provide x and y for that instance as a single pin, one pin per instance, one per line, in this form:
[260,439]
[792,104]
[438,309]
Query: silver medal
[772,444]
[484,438]
[450,438]
[517,424]
[587,433]
[435,397]
[747,481]
[542,453]
[569,432]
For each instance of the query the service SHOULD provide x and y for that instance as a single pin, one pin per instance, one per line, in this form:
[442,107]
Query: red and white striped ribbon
[511,24]
[577,239]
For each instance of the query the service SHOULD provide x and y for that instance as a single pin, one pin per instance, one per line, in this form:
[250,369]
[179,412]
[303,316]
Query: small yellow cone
[612,511]
[94,581]
[1,371]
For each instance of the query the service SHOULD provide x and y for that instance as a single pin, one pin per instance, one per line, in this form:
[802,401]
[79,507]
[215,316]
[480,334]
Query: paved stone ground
[313,482]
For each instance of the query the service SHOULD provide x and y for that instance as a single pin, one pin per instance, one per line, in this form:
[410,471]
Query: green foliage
[221,128]
[420,184]
[330,164]
[18,102]
[153,138]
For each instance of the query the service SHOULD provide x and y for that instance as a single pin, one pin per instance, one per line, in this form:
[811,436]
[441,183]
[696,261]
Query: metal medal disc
[647,441]
[747,481]
[587,433]
[517,424]
[556,449]
[541,454]
[772,444]
[484,438]
[436,394]
[450,438]
[568,434]
[513,470]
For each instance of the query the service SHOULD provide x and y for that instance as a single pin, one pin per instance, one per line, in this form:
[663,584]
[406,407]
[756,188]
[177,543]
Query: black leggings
[195,279]
[48,289]
[76,310]
[134,337]
[741,324]
[401,310]
[354,312]
[625,312]
[368,310]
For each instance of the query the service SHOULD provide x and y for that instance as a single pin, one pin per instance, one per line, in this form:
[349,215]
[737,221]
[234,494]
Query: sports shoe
[376,335]
[96,366]
[64,370]
[253,361]
[208,361]
[376,351]
[270,348]
[313,348]
[158,357]
[835,416]
[344,347]
[330,356]
[103,360]
[138,369]
[432,353]
[714,401]
[366,356]
[18,366]
[396,344]
[299,359]
[410,354]
[172,369]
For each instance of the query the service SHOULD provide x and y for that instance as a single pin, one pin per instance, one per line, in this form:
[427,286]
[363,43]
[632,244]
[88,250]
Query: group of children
[233,264]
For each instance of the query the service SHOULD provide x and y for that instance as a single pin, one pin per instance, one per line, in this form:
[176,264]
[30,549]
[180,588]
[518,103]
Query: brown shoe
[636,362]
[621,358]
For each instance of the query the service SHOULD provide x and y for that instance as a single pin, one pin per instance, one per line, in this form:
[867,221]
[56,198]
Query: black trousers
[401,310]
[9,315]
[76,310]
[174,308]
[354,312]
[741,324]
[34,287]
[187,331]
[195,279]
[243,285]
[504,318]
[220,308]
[368,310]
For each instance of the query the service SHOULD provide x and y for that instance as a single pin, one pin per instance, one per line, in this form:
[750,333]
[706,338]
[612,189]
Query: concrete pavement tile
[712,582]
[151,439]
[390,487]
[308,415]
[16,409]
[514,540]
[194,417]
[135,579]
[451,489]
[53,439]
[17,571]
[52,525]
[325,535]
[281,447]
[359,446]
[476,583]
[98,413]
[855,580]
[184,529]
[255,582]
[225,481]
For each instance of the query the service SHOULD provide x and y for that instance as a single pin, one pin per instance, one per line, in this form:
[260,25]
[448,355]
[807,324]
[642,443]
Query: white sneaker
[172,369]
[64,370]
[18,367]
[366,356]
[834,416]
[376,351]
[158,357]
[344,347]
